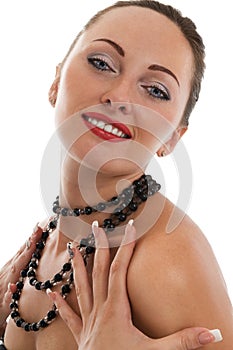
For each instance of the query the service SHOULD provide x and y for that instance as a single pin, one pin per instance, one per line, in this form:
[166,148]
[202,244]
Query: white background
[35,36]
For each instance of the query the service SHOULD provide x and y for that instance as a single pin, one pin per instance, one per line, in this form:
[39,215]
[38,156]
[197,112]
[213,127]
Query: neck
[82,187]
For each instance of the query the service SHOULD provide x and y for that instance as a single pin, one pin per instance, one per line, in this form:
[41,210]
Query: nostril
[122,108]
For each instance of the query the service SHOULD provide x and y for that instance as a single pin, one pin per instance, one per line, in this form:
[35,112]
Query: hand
[9,274]
[105,321]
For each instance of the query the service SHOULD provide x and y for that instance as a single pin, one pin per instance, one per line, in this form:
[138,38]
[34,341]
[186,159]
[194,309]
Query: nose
[117,99]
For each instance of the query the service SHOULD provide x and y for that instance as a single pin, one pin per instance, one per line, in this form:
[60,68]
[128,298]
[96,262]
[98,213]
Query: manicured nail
[95,224]
[36,227]
[212,336]
[217,335]
[9,286]
[131,221]
[51,294]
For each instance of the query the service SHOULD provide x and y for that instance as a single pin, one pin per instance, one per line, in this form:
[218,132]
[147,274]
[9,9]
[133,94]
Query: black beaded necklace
[126,203]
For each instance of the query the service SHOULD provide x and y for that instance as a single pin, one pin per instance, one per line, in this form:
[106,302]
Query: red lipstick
[106,128]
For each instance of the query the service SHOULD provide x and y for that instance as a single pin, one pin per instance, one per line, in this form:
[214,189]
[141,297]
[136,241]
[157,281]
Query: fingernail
[131,221]
[51,294]
[212,336]
[9,286]
[36,227]
[95,224]
[217,335]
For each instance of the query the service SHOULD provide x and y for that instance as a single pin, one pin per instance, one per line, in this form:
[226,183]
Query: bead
[14,314]
[83,242]
[114,200]
[36,255]
[15,296]
[101,206]
[57,277]
[34,327]
[76,212]
[133,206]
[110,228]
[66,267]
[19,322]
[90,250]
[87,210]
[13,305]
[33,265]
[47,284]
[43,323]
[19,285]
[32,281]
[65,289]
[143,197]
[122,217]
[107,222]
[56,208]
[38,285]
[52,224]
[40,245]
[45,235]
[27,327]
[31,273]
[23,273]
[64,211]
[51,315]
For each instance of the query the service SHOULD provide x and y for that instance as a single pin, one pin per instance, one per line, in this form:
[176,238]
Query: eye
[157,91]
[100,64]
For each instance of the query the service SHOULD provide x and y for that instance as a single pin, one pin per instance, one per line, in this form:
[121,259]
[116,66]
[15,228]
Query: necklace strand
[126,203]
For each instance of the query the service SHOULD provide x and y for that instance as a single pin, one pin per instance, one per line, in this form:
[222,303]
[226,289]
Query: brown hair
[187,27]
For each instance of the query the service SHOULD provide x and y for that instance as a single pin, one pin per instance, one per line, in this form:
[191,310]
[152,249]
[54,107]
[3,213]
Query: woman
[119,99]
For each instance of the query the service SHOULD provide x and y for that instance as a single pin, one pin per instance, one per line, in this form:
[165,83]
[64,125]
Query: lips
[106,128]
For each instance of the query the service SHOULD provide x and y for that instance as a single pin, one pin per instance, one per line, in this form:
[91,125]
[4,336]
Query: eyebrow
[157,67]
[117,47]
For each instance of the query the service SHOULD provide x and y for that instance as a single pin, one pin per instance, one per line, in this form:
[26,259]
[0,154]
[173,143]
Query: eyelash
[96,62]
[163,93]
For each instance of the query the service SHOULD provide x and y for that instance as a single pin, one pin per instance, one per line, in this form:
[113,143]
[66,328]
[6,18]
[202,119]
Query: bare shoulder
[174,280]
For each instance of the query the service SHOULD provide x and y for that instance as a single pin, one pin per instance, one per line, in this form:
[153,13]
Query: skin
[175,277]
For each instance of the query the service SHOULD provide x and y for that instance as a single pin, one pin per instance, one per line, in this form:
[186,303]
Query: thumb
[190,339]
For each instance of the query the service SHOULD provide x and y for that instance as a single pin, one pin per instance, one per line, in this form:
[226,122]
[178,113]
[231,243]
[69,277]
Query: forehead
[141,30]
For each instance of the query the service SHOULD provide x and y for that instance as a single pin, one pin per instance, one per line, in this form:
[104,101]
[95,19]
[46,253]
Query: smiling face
[120,63]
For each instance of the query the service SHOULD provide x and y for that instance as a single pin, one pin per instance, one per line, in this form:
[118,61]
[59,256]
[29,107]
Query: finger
[119,266]
[24,254]
[101,266]
[188,339]
[72,320]
[82,286]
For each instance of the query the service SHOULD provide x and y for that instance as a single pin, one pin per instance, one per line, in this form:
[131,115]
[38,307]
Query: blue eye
[100,64]
[159,92]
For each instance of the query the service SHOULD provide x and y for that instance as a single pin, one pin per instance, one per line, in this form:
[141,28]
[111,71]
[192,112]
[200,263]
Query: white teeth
[106,127]
[100,124]
[115,131]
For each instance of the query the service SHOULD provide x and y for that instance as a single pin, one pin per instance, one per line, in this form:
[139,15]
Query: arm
[178,282]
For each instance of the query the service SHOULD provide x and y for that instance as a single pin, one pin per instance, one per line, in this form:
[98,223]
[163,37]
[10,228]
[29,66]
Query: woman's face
[132,71]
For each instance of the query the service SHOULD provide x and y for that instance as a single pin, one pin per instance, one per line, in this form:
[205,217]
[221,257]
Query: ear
[169,146]
[54,87]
